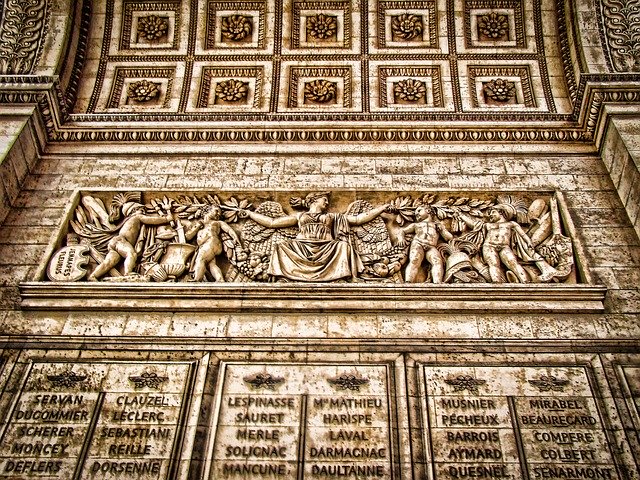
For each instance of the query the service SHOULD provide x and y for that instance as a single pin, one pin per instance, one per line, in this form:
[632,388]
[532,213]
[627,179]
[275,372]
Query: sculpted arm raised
[367,216]
[278,222]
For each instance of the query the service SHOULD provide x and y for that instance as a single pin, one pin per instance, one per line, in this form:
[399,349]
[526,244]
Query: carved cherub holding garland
[207,233]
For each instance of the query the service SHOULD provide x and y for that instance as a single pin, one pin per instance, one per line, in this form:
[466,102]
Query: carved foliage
[21,34]
[621,19]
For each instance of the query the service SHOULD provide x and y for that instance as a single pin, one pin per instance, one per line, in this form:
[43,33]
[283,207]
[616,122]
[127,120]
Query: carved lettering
[347,419]
[256,451]
[559,420]
[470,420]
[348,470]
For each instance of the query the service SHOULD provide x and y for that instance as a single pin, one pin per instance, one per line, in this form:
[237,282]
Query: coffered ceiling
[338,61]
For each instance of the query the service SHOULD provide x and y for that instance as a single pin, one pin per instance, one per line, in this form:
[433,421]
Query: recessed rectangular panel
[309,421]
[514,422]
[95,420]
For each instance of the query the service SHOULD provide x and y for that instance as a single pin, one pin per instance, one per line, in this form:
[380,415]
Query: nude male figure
[121,246]
[427,234]
[207,234]
[496,247]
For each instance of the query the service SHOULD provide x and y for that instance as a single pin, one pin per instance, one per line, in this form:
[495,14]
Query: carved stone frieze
[416,237]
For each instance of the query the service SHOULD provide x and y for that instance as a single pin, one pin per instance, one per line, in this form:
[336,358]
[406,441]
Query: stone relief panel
[96,420]
[514,422]
[342,236]
[374,40]
[304,421]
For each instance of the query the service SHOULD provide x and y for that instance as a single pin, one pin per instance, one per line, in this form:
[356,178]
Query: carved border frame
[429,5]
[209,73]
[516,5]
[210,24]
[121,73]
[130,6]
[426,71]
[521,71]
[296,73]
[345,6]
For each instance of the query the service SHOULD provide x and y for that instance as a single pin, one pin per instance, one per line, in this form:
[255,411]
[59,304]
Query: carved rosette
[232,90]
[321,26]
[493,25]
[407,26]
[500,90]
[320,91]
[22,32]
[410,90]
[153,27]
[236,28]
[143,91]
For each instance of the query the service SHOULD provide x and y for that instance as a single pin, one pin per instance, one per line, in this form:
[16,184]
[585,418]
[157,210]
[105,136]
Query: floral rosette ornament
[322,26]
[143,90]
[410,90]
[493,25]
[153,27]
[232,90]
[500,90]
[407,26]
[236,27]
[321,91]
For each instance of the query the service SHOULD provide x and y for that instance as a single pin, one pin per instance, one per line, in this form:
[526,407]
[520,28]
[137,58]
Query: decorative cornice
[234,297]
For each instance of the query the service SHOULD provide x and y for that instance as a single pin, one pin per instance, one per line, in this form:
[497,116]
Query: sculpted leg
[493,262]
[437,265]
[215,271]
[126,250]
[110,261]
[510,260]
[416,255]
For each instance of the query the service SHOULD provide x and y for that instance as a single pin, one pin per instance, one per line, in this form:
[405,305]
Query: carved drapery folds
[320,237]
[21,33]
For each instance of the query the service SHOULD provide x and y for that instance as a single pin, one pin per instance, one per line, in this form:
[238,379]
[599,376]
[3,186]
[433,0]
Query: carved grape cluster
[407,26]
[237,27]
[153,27]
[410,90]
[321,91]
[322,26]
[500,90]
[493,25]
[232,90]
[143,90]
